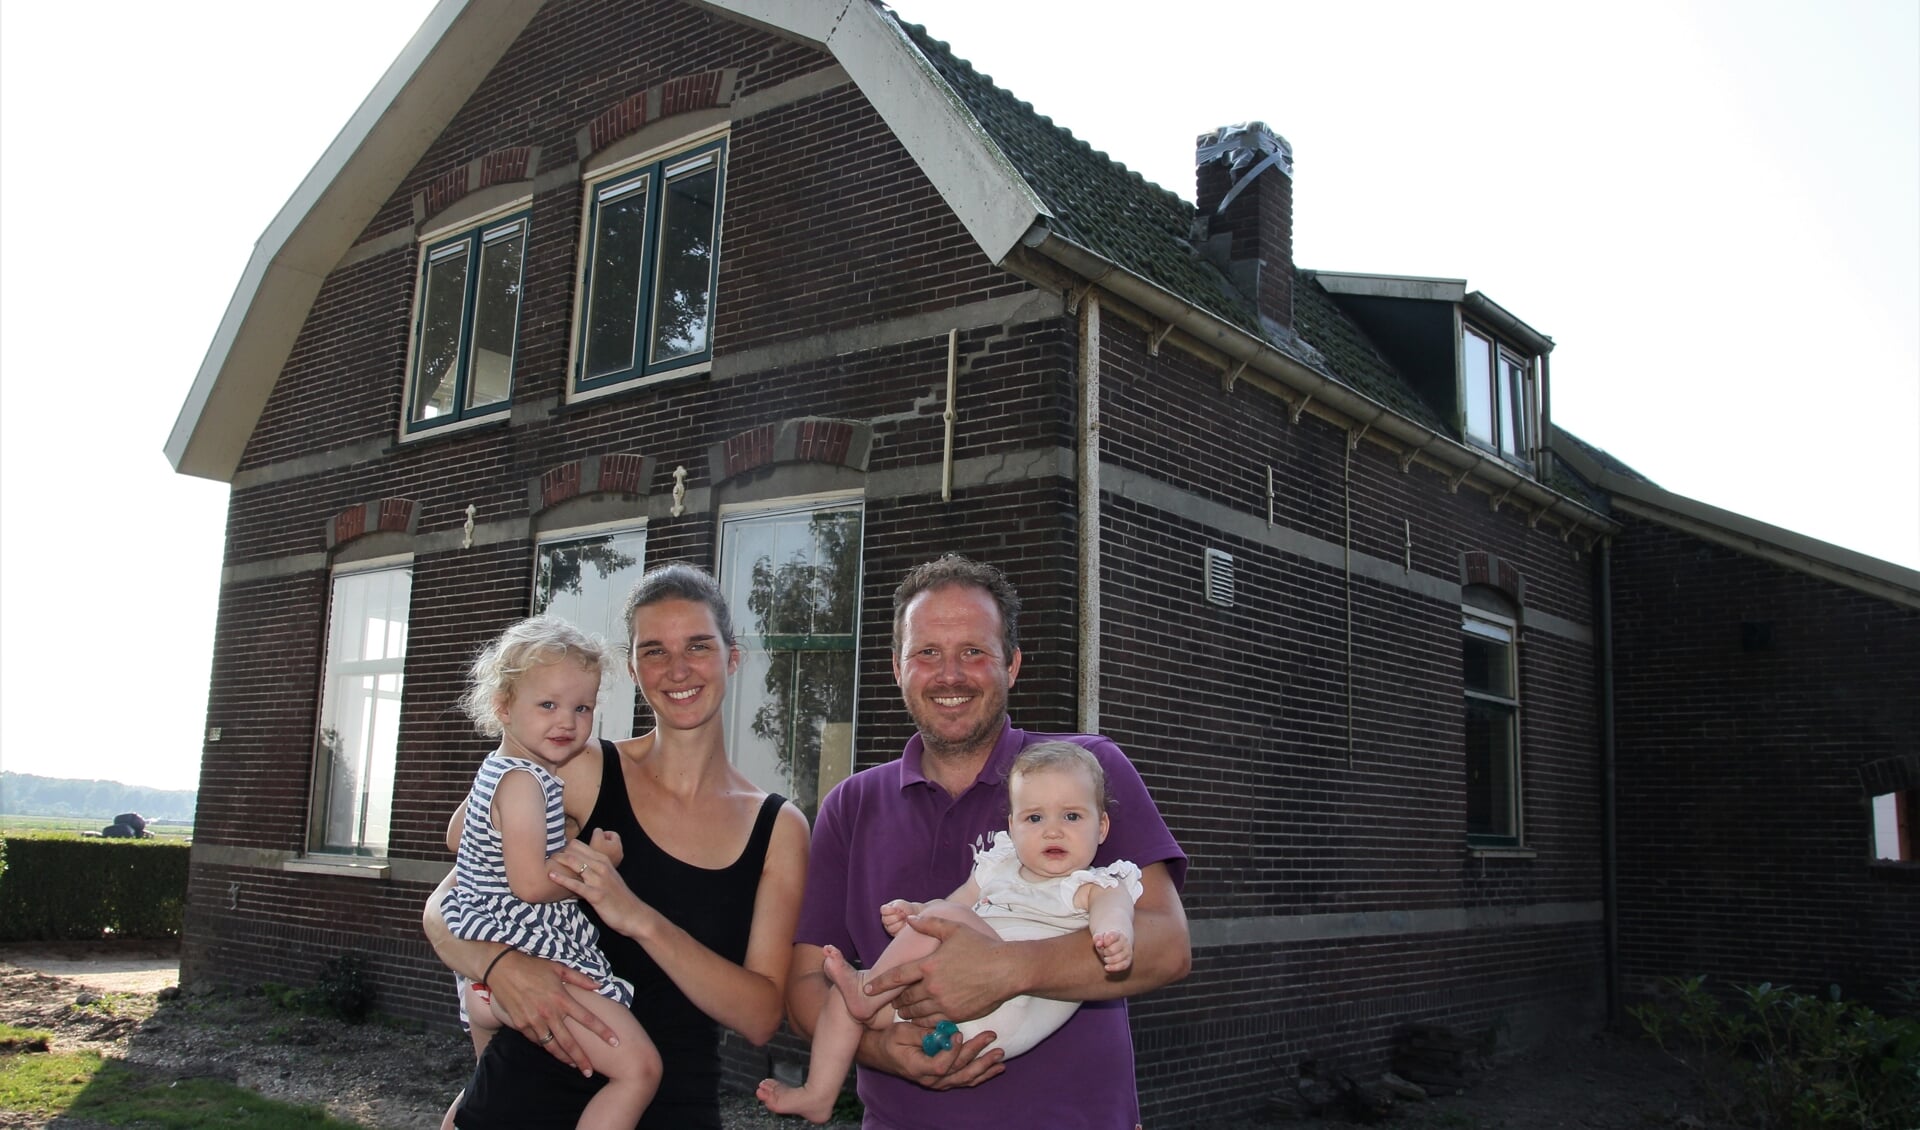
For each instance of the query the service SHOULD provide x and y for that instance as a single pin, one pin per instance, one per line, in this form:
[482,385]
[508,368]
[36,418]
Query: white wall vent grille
[1217,577]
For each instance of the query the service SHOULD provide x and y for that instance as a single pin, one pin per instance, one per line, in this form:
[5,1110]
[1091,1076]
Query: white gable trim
[425,87]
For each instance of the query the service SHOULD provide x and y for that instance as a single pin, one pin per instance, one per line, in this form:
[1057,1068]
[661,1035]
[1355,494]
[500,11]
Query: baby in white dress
[1036,881]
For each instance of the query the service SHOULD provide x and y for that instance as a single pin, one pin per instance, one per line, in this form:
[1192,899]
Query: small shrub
[1783,1060]
[343,991]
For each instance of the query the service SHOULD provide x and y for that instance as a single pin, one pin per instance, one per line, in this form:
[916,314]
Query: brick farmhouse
[1460,720]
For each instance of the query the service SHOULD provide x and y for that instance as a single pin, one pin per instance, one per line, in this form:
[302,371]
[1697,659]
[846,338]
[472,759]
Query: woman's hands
[533,992]
[590,873]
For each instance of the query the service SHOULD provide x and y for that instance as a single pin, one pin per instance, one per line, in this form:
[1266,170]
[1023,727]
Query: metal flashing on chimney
[1250,148]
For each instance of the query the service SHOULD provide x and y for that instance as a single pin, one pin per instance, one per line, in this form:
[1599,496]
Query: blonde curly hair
[533,642]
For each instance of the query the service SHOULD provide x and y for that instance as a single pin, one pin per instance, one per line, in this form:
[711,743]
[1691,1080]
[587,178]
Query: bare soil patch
[402,1076]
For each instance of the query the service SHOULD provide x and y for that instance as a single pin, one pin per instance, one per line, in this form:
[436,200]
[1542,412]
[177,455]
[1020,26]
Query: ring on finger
[583,871]
[547,1039]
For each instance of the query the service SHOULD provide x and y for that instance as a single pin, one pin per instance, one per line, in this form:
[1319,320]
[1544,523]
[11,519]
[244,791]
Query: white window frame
[609,182]
[841,742]
[1508,390]
[335,671]
[614,712]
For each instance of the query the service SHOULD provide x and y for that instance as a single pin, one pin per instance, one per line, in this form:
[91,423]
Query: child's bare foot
[782,1099]
[1115,950]
[847,978]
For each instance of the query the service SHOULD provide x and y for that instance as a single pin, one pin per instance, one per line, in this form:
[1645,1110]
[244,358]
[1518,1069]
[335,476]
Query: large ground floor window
[584,578]
[360,710]
[792,577]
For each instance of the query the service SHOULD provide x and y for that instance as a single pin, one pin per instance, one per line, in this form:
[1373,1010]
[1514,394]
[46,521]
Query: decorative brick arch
[624,473]
[378,516]
[841,443]
[702,90]
[502,166]
[1891,774]
[1478,567]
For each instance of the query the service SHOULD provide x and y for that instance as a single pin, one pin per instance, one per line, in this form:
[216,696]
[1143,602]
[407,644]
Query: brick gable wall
[1744,825]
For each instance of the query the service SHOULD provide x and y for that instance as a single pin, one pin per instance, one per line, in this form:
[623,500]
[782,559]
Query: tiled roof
[1606,460]
[1116,213]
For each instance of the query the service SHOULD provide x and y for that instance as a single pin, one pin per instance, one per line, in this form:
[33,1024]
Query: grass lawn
[84,1085]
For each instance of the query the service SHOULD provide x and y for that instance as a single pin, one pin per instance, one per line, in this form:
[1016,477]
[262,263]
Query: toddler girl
[1034,882]
[534,689]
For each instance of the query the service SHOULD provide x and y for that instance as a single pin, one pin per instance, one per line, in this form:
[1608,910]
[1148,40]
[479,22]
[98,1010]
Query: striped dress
[482,907]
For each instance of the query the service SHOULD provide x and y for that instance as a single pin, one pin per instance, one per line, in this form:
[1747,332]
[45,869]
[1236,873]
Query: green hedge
[71,889]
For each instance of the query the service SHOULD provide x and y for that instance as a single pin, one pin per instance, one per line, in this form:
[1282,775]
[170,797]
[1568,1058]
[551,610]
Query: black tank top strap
[762,837]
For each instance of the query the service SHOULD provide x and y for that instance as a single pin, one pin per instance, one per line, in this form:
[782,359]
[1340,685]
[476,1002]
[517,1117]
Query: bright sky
[1713,209]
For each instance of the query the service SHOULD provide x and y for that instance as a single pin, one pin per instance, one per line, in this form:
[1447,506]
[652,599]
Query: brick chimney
[1250,168]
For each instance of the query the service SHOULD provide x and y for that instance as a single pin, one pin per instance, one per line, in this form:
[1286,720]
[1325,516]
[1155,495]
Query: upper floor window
[648,272]
[792,578]
[1496,388]
[466,320]
[360,710]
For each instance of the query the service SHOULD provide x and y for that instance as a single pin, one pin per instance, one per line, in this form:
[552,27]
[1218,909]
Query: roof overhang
[1807,555]
[419,95]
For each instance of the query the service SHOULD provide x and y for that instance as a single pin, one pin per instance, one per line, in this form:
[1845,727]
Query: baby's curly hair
[533,642]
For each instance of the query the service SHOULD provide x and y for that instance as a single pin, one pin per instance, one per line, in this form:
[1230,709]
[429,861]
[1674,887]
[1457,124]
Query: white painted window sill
[375,869]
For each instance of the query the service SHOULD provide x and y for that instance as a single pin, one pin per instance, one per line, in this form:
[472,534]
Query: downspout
[1609,858]
[1087,474]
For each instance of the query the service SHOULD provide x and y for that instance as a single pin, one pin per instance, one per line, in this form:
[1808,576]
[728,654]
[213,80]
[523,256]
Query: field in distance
[54,826]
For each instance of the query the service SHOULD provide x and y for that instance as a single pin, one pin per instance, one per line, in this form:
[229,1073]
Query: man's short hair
[953,569]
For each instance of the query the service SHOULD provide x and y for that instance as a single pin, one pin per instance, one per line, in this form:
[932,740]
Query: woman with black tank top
[700,913]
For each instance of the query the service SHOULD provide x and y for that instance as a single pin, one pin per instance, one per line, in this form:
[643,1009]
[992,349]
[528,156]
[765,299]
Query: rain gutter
[1323,392]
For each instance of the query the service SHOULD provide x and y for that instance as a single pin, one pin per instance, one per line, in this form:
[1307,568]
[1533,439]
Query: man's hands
[533,992]
[896,1049]
[969,976]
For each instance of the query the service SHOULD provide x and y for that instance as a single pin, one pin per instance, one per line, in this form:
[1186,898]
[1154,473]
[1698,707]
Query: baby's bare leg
[483,1020]
[846,1011]
[908,945]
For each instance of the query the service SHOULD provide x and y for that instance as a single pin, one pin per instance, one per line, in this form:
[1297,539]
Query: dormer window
[1496,393]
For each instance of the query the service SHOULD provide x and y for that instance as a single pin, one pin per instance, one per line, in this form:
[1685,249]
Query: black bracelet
[491,964]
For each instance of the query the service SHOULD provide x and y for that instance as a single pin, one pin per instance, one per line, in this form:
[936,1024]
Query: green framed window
[466,324]
[792,578]
[649,271]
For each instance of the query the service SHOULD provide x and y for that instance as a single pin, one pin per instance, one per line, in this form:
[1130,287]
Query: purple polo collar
[992,773]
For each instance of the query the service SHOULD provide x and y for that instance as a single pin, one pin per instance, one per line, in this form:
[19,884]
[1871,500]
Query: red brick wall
[1744,827]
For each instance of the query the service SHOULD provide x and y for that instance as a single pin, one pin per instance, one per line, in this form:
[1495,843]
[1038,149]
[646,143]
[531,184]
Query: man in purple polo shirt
[909,828]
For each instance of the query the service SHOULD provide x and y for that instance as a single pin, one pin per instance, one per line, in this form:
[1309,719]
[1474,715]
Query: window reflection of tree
[561,569]
[682,300]
[803,610]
